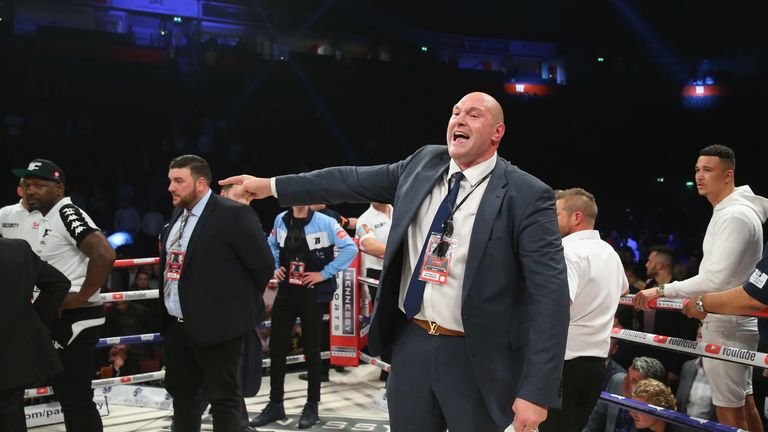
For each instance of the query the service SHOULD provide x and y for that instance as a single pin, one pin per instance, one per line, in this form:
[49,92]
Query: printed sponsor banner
[108,382]
[379,363]
[139,396]
[130,295]
[130,339]
[677,304]
[132,262]
[734,355]
[50,413]
[345,309]
[340,351]
[659,303]
[38,392]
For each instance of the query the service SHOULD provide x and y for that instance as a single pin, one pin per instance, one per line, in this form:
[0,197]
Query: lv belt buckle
[433,328]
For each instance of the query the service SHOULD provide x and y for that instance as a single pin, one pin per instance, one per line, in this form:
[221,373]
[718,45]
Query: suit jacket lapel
[167,228]
[406,209]
[481,230]
[201,221]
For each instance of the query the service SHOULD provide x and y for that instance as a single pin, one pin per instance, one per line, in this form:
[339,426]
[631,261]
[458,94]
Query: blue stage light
[120,238]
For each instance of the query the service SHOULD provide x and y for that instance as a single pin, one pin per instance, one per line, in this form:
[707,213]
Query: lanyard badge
[175,264]
[438,259]
[296,273]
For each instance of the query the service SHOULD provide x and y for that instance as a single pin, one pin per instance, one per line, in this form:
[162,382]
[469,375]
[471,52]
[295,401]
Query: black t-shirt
[757,285]
[296,247]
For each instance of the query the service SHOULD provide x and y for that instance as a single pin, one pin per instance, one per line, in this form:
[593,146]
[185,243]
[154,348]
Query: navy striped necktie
[415,293]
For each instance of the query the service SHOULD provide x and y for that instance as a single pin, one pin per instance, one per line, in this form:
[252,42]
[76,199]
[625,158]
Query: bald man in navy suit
[473,299]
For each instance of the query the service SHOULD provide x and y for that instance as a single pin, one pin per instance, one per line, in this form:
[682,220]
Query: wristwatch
[660,290]
[700,303]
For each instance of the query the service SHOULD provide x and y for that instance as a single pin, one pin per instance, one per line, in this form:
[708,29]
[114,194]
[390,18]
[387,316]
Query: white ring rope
[714,351]
[379,363]
[154,376]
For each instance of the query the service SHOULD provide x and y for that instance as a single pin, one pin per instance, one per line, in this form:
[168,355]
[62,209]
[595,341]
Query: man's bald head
[493,106]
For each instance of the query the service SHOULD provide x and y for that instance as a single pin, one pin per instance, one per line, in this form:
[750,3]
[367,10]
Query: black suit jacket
[227,265]
[28,355]
[515,303]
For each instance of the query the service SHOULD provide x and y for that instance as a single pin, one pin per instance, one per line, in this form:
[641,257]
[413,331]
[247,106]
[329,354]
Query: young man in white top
[596,281]
[732,245]
[372,232]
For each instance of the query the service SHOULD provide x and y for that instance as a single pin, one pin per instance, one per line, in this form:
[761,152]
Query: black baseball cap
[41,168]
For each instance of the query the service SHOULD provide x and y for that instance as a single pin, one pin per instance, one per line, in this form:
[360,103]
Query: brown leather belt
[435,329]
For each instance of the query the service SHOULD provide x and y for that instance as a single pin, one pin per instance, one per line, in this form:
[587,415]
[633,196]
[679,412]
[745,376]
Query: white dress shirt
[172,302]
[373,224]
[700,396]
[442,303]
[596,281]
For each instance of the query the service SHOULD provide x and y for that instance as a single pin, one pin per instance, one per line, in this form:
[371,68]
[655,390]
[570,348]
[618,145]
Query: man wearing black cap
[67,238]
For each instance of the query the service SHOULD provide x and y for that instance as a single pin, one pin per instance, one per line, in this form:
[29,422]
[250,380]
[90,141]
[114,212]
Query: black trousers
[250,361]
[205,400]
[12,410]
[325,337]
[72,387]
[582,384]
[189,368]
[292,302]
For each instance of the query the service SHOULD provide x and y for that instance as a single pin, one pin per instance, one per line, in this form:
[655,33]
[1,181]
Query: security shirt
[56,238]
[16,222]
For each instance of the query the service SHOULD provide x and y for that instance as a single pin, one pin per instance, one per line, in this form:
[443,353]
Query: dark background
[113,122]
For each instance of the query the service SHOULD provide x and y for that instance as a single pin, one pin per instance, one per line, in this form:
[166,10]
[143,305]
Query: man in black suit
[32,358]
[474,304]
[216,263]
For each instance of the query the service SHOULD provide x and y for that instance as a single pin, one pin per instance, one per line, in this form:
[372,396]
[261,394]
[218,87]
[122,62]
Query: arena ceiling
[688,26]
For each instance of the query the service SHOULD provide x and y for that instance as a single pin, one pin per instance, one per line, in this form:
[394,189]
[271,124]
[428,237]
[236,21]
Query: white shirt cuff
[273,187]
[670,290]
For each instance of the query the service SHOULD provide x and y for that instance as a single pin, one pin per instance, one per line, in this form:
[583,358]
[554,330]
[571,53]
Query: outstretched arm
[735,301]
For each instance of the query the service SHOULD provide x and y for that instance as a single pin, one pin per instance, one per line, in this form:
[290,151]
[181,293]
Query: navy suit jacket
[605,415]
[227,265]
[515,304]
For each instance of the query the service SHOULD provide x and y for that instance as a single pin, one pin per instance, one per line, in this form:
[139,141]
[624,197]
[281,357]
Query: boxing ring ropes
[724,353]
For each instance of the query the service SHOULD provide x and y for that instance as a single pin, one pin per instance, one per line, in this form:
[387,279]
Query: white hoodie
[733,245]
